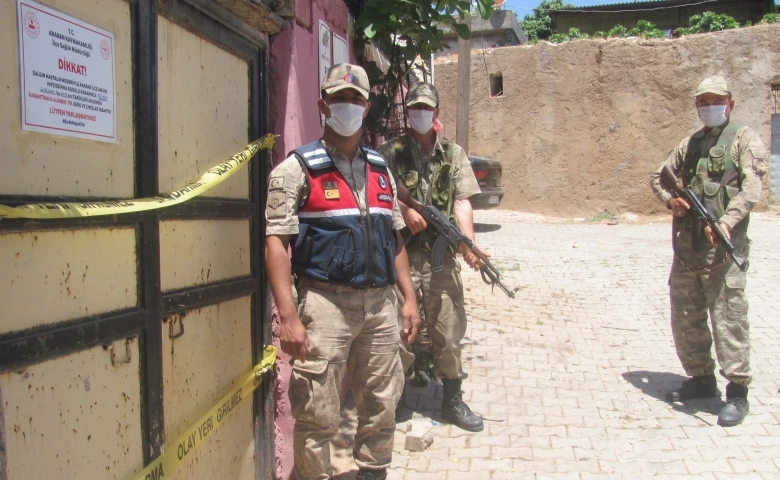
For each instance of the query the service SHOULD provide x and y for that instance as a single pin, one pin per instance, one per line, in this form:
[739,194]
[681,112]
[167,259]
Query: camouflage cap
[342,76]
[715,84]
[424,93]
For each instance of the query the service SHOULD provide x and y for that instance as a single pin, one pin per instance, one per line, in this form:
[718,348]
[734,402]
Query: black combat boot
[364,474]
[455,411]
[704,386]
[737,406]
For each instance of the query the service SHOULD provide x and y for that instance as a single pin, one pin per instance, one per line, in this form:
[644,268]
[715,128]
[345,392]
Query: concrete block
[419,435]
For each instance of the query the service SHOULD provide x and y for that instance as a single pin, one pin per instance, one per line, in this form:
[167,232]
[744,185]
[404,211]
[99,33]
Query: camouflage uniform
[703,278]
[352,331]
[438,178]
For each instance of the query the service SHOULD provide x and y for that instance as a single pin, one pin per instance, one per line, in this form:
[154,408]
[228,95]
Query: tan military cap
[715,84]
[422,93]
[344,75]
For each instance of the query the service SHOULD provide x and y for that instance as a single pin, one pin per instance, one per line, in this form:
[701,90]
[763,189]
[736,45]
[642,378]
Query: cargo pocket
[717,160]
[731,192]
[343,255]
[310,400]
[736,302]
[711,188]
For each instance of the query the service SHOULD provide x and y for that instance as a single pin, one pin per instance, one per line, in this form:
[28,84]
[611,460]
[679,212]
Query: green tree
[404,29]
[707,22]
[537,26]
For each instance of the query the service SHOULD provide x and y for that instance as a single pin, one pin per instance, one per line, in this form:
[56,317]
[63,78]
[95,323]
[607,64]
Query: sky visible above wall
[525,7]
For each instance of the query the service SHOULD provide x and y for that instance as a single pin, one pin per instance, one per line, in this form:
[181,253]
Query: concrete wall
[581,125]
[295,117]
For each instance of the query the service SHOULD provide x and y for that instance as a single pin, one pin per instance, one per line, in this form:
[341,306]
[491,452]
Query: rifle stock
[669,180]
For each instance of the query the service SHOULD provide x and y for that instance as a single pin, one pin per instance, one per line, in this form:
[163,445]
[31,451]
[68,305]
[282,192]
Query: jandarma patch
[276,205]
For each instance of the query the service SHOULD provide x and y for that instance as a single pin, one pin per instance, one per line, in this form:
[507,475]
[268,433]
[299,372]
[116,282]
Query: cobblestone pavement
[570,375]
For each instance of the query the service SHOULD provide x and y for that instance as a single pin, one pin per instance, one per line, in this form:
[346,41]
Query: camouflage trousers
[353,333]
[719,293]
[445,315]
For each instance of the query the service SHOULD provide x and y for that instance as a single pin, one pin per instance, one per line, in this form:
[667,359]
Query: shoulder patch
[276,183]
[277,205]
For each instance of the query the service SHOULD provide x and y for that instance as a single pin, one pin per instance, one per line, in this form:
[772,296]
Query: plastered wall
[581,125]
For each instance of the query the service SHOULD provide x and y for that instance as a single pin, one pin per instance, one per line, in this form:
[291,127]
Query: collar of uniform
[436,145]
[336,155]
[715,131]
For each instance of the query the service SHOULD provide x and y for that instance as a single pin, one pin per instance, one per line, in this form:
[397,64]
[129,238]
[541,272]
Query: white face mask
[421,121]
[713,115]
[345,118]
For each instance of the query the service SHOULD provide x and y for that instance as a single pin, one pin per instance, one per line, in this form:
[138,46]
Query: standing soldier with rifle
[721,168]
[437,172]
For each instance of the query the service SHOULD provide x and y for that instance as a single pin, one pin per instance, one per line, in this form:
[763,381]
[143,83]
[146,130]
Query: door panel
[197,252]
[203,110]
[74,417]
[51,276]
[199,367]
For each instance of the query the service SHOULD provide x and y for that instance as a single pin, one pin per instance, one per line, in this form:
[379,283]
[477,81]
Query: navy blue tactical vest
[335,242]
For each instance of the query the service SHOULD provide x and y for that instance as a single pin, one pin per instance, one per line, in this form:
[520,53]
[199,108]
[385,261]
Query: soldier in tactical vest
[723,163]
[334,202]
[437,172]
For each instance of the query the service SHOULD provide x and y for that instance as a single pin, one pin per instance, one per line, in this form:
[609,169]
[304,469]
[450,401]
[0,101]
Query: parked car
[488,172]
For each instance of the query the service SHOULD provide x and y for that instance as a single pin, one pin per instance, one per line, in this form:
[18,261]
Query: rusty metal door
[117,331]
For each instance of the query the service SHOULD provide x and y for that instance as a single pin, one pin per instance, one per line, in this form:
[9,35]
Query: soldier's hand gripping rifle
[670,181]
[448,234]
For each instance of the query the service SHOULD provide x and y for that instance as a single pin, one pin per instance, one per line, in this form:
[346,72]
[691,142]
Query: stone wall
[581,125]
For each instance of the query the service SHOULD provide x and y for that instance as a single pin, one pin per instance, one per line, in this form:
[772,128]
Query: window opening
[496,85]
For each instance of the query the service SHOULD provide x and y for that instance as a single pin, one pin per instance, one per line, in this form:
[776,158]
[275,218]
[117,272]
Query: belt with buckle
[310,282]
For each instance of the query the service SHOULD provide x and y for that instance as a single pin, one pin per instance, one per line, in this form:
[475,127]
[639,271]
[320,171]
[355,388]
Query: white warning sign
[67,74]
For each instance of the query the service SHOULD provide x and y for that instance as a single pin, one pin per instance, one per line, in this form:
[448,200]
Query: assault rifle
[703,215]
[448,234]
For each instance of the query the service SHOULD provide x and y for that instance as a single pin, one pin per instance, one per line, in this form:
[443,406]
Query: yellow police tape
[176,452]
[208,180]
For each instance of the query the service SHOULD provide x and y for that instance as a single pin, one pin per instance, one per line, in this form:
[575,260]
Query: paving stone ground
[570,375]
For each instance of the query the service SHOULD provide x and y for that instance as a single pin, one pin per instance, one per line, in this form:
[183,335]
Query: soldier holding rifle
[721,167]
[437,172]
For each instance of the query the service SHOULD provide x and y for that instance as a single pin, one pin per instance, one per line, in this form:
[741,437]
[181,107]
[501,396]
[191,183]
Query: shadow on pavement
[656,384]
[486,227]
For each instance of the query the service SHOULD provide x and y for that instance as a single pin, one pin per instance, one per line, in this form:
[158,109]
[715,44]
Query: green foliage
[707,22]
[405,29]
[599,34]
[645,29]
[617,31]
[572,34]
[537,26]
[771,18]
[604,216]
